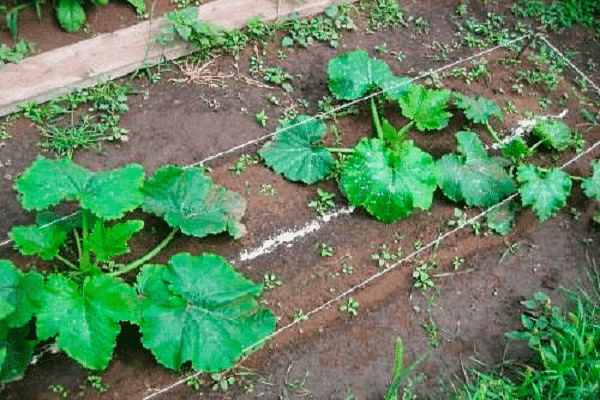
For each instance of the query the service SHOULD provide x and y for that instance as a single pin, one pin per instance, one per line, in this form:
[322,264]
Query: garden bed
[165,119]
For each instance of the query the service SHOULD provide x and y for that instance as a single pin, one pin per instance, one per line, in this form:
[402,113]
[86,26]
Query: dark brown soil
[328,354]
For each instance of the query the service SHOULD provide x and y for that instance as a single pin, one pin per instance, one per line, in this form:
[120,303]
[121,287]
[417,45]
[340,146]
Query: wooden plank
[112,55]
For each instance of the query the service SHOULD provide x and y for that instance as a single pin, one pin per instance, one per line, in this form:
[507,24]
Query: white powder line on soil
[289,236]
[375,276]
[320,115]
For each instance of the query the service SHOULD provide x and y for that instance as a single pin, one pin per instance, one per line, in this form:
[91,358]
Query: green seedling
[350,307]
[457,263]
[382,48]
[300,315]
[59,390]
[97,384]
[262,118]
[222,381]
[16,53]
[327,28]
[194,381]
[243,161]
[384,256]
[417,244]
[323,202]
[421,277]
[347,269]
[325,250]
[400,373]
[432,331]
[268,190]
[271,281]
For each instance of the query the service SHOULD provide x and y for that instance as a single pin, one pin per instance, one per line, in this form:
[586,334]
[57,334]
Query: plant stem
[405,129]
[532,148]
[493,132]
[66,262]
[159,247]
[77,242]
[84,257]
[336,150]
[376,119]
[577,178]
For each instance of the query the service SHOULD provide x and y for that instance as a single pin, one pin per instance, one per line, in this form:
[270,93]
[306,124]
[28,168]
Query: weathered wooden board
[108,56]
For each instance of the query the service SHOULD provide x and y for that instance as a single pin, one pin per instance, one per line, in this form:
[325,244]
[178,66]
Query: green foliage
[400,373]
[187,199]
[501,218]
[386,14]
[478,109]
[71,14]
[186,26]
[327,27]
[389,184]
[474,176]
[591,185]
[93,311]
[109,242]
[554,133]
[545,190]
[199,309]
[426,107]
[323,202]
[16,53]
[295,152]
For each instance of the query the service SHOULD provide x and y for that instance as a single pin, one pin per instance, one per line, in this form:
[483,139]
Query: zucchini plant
[390,177]
[194,308]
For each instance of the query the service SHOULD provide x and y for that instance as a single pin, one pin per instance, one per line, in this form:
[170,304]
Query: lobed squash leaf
[86,319]
[352,74]
[16,352]
[107,194]
[20,295]
[389,184]
[501,218]
[295,152]
[70,14]
[199,309]
[516,149]
[108,242]
[187,199]
[474,177]
[478,109]
[545,191]
[426,107]
[45,242]
[554,133]
[591,185]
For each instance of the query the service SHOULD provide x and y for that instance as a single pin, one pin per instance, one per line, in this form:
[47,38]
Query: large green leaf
[70,14]
[426,107]
[199,309]
[108,242]
[352,74]
[554,133]
[501,218]
[140,5]
[545,191]
[107,194]
[474,177]
[478,109]
[20,295]
[16,352]
[295,152]
[389,184]
[86,319]
[591,185]
[187,199]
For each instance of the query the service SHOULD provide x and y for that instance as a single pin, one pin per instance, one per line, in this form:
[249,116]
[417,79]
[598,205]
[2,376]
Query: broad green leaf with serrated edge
[553,133]
[395,86]
[107,194]
[591,185]
[16,352]
[199,309]
[140,5]
[295,152]
[389,184]
[474,177]
[21,292]
[546,192]
[500,219]
[187,199]
[34,240]
[426,107]
[108,242]
[478,109]
[70,14]
[352,74]
[516,149]
[85,319]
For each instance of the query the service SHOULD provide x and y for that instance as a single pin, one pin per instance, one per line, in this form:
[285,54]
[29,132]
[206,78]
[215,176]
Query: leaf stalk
[376,120]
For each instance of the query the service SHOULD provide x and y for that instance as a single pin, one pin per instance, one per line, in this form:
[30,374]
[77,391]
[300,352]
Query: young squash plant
[195,308]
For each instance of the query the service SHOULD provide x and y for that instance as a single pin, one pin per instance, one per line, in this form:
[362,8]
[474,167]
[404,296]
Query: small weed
[95,382]
[59,390]
[417,244]
[300,315]
[282,55]
[273,100]
[421,24]
[575,213]
[421,277]
[303,103]
[544,103]
[277,76]
[457,263]
[591,65]
[242,163]
[16,53]
[384,256]
[323,202]
[262,118]
[268,190]
[222,381]
[187,3]
[350,307]
[510,107]
[432,331]
[323,28]
[382,48]
[195,382]
[583,84]
[461,10]
[386,14]
[347,269]
[271,281]
[6,125]
[398,55]
[288,116]
[325,250]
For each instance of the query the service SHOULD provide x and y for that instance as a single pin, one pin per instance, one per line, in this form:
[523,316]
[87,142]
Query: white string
[318,116]
[393,266]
